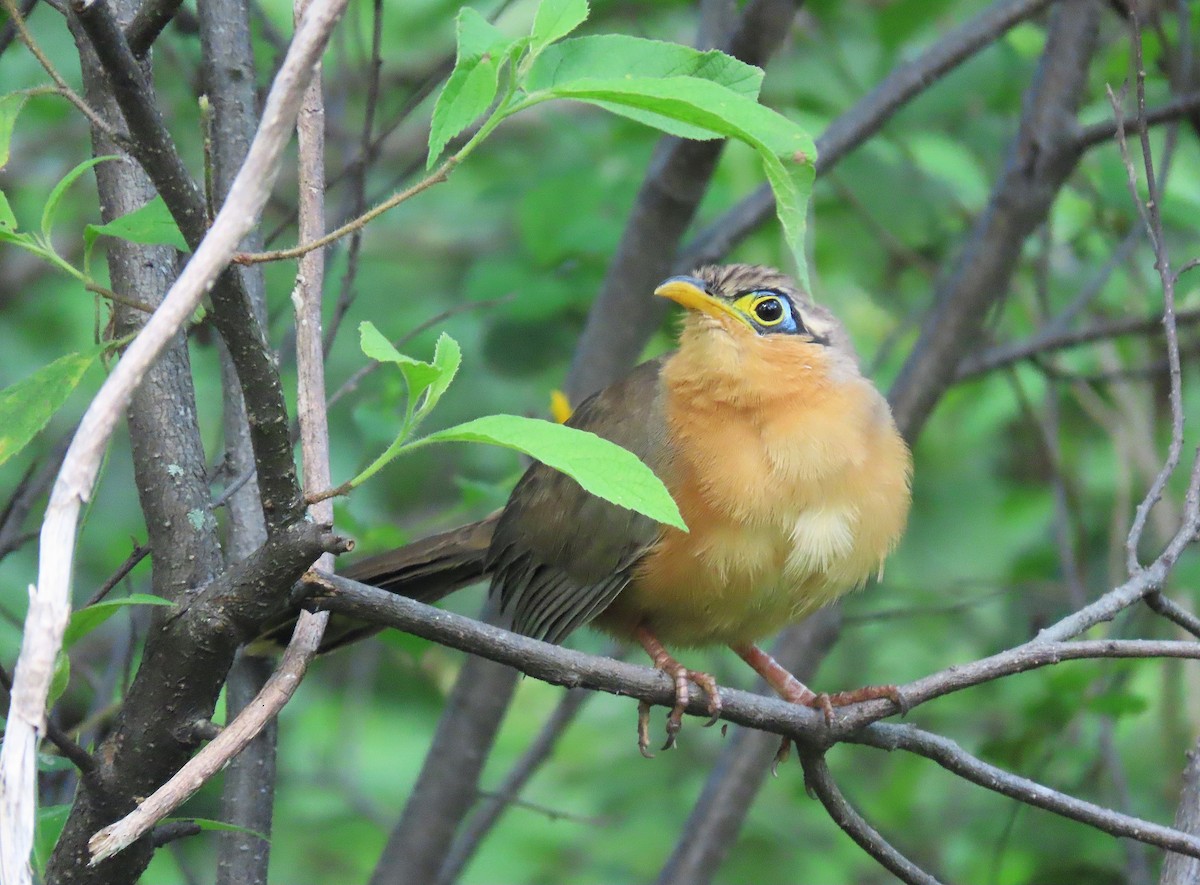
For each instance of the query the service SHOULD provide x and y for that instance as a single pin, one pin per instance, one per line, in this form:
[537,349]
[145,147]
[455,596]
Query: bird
[786,465]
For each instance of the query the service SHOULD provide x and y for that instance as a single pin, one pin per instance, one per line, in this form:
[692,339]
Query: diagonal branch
[50,603]
[819,780]
[234,316]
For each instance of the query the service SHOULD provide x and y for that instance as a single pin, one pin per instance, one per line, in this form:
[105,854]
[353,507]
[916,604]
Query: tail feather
[426,570]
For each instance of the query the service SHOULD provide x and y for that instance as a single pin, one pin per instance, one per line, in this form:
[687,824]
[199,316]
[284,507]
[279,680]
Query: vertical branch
[1179,869]
[49,606]
[248,791]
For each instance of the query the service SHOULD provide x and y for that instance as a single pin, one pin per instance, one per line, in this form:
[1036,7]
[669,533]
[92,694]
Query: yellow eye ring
[764,314]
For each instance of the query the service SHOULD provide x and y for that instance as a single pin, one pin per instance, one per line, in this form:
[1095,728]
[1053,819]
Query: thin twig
[1174,612]
[78,756]
[437,177]
[17,19]
[140,552]
[209,761]
[561,666]
[819,780]
[49,606]
[359,178]
[484,819]
[1151,214]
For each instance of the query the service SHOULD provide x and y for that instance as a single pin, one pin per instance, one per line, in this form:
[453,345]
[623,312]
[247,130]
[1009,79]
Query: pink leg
[681,675]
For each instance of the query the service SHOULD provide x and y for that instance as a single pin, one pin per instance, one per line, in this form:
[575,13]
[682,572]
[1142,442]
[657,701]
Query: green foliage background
[533,218]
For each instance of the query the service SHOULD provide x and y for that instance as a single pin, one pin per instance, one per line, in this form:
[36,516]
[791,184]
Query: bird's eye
[768,310]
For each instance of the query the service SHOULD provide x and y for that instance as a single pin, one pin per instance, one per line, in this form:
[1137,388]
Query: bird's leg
[792,689]
[681,675]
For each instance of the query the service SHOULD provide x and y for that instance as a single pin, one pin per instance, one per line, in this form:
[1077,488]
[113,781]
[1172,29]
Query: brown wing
[559,555]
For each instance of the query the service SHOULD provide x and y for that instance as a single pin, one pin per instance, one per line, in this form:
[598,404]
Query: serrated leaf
[375,346]
[27,406]
[787,152]
[447,357]
[10,108]
[599,466]
[554,20]
[88,619]
[8,221]
[476,35]
[597,57]
[471,86]
[467,94]
[429,379]
[150,225]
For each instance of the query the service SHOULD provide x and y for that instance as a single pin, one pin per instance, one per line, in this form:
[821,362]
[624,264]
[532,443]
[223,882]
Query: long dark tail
[426,570]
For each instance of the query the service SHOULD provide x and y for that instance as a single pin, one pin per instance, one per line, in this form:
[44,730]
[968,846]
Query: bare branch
[1151,214]
[818,779]
[151,18]
[232,739]
[955,759]
[1180,869]
[1051,341]
[50,602]
[561,666]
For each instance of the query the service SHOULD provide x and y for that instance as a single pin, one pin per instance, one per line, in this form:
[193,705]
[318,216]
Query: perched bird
[785,463]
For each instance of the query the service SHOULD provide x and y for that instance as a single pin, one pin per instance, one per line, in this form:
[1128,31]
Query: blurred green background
[533,219]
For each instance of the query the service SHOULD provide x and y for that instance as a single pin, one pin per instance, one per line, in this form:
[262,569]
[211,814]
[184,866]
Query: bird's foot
[681,676]
[792,689]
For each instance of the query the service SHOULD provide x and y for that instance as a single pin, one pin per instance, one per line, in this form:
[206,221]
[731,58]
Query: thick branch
[49,606]
[1039,161]
[234,316]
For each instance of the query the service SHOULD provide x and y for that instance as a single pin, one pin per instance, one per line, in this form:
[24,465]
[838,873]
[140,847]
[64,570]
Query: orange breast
[791,477]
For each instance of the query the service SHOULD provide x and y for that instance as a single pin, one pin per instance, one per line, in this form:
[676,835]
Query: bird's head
[752,300]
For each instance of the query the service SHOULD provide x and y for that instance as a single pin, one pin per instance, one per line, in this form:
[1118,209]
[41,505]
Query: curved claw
[643,729]
[680,676]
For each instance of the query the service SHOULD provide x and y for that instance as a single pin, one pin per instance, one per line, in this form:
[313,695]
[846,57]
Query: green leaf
[27,406]
[476,35]
[598,57]
[60,678]
[599,466]
[426,382]
[56,195]
[554,20]
[88,619]
[205,823]
[467,94]
[8,221]
[46,762]
[375,346]
[787,152]
[50,822]
[151,225]
[472,84]
[10,107]
[429,380]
